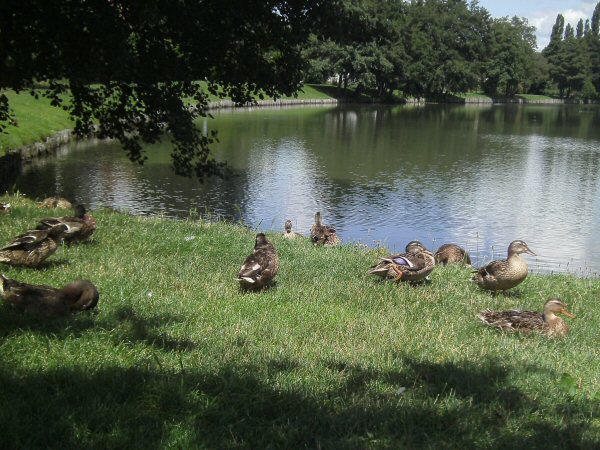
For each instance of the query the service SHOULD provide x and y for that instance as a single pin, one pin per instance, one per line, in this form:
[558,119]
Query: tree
[134,68]
[511,56]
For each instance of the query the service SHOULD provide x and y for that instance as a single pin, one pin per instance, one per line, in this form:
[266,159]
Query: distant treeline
[432,48]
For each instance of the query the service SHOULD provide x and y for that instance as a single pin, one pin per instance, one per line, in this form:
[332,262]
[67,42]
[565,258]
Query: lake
[478,176]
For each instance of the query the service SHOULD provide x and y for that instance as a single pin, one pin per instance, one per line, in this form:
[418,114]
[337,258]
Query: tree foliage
[133,68]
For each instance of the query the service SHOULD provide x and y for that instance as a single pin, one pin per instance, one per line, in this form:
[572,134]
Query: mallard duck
[529,321]
[321,234]
[55,202]
[32,248]
[4,208]
[79,228]
[507,273]
[289,234]
[261,266]
[452,253]
[80,295]
[413,266]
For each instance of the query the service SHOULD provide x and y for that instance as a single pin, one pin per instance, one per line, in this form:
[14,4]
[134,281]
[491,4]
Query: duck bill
[568,314]
[530,252]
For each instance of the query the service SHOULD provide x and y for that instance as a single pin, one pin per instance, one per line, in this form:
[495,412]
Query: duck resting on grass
[5,208]
[321,234]
[79,228]
[413,266]
[547,323]
[289,234]
[261,266]
[504,274]
[33,247]
[55,202]
[451,254]
[80,295]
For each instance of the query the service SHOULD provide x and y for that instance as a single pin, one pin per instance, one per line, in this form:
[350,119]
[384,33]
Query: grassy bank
[37,119]
[177,357]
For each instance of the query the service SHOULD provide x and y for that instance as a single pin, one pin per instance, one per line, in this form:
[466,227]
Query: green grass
[36,120]
[178,357]
[534,97]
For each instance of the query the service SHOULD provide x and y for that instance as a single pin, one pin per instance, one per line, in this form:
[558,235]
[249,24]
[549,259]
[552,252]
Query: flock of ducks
[33,247]
[414,266]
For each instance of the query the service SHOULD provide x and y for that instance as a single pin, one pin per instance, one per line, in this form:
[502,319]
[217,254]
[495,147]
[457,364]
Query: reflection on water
[476,176]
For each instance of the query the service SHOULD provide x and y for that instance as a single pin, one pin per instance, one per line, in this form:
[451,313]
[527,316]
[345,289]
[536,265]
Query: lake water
[479,176]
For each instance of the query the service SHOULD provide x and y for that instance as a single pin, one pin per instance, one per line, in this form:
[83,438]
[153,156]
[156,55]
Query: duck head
[288,226]
[261,240]
[318,218]
[414,246]
[517,247]
[556,306]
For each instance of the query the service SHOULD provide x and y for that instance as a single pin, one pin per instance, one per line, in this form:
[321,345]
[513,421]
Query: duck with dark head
[261,266]
[80,295]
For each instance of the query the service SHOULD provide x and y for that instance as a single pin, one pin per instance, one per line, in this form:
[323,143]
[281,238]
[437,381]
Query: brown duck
[55,202]
[507,273]
[261,266]
[531,321]
[32,248]
[80,295]
[79,228]
[321,234]
[452,254]
[289,234]
[413,266]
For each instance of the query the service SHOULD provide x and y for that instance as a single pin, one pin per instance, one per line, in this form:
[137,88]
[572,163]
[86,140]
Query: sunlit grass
[177,356]
[36,119]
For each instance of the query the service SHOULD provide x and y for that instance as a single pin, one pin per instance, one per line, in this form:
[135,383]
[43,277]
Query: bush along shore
[177,356]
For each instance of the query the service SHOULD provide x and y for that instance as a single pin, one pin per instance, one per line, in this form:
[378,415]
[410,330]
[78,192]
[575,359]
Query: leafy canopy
[133,68]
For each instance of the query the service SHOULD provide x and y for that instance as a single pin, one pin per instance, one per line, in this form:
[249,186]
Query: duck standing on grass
[79,228]
[507,273]
[261,266]
[32,248]
[321,234]
[289,234]
[413,266]
[451,254]
[80,295]
[547,322]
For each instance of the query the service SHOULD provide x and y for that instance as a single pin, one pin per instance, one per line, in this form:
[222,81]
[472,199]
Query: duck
[413,266]
[289,234]
[321,234]
[4,208]
[33,247]
[547,323]
[79,228]
[81,295]
[55,202]
[504,274]
[261,266]
[451,254]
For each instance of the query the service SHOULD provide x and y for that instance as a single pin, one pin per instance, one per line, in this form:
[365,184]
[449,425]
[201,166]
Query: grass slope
[178,357]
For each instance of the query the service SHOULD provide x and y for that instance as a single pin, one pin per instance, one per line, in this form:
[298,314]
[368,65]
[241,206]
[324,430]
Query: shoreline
[14,158]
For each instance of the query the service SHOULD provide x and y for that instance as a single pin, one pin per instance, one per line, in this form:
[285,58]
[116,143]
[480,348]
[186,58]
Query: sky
[542,13]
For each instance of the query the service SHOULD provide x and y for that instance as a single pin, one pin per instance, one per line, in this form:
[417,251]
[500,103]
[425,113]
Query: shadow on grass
[447,405]
[135,328]
[12,321]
